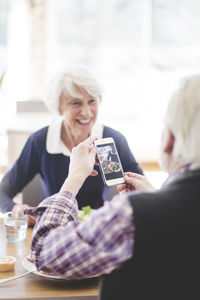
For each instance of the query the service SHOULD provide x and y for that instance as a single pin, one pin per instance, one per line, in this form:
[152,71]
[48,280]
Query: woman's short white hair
[71,81]
[183,119]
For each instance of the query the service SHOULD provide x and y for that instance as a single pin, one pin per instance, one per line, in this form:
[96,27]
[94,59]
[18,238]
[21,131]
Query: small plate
[28,265]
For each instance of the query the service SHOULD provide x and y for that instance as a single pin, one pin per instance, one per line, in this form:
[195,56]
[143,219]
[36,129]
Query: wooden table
[33,286]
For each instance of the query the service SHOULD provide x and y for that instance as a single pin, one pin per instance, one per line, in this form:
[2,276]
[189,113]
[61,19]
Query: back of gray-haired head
[183,119]
[71,81]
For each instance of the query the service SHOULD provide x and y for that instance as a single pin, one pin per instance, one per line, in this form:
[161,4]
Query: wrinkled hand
[82,161]
[19,210]
[134,182]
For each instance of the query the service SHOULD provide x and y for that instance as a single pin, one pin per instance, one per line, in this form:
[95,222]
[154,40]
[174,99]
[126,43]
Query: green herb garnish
[85,211]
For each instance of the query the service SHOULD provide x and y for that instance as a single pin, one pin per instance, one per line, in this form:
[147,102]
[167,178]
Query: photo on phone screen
[109,161]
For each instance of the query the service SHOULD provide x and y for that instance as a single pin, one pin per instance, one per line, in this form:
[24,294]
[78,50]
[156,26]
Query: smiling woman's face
[79,114]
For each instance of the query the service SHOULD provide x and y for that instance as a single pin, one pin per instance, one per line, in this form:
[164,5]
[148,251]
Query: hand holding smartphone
[109,161]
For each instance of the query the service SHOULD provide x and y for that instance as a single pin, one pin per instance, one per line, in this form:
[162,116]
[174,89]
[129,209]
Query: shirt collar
[55,145]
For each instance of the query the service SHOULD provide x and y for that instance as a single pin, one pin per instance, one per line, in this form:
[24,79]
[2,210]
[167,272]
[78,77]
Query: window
[139,49]
[4,13]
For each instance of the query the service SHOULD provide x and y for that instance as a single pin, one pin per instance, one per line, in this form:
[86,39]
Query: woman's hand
[82,161]
[19,210]
[134,182]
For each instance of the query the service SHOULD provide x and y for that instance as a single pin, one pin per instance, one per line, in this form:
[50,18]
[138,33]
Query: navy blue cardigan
[53,169]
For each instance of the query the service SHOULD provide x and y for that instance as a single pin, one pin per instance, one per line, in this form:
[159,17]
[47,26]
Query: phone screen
[109,160]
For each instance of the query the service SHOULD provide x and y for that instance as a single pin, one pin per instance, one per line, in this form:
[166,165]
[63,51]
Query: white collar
[55,145]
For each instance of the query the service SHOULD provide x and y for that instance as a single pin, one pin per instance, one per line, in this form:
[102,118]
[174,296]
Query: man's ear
[169,142]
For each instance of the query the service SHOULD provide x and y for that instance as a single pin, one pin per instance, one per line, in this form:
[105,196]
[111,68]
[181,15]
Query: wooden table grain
[33,286]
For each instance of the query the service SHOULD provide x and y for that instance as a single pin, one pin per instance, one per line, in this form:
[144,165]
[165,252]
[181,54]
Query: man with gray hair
[146,244]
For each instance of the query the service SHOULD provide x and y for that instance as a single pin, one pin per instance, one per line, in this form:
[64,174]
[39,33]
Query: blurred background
[138,48]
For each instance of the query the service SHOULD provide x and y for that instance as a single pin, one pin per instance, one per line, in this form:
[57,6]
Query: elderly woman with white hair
[74,95]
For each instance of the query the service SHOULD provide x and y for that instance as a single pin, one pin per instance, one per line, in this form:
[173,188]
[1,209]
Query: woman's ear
[59,110]
[168,141]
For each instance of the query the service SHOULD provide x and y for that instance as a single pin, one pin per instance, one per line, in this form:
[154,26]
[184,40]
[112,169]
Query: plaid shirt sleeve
[63,246]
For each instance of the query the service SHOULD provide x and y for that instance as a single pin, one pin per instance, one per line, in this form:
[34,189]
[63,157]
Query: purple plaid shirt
[63,246]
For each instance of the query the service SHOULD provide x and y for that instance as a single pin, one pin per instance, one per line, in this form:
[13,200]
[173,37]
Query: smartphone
[109,161]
